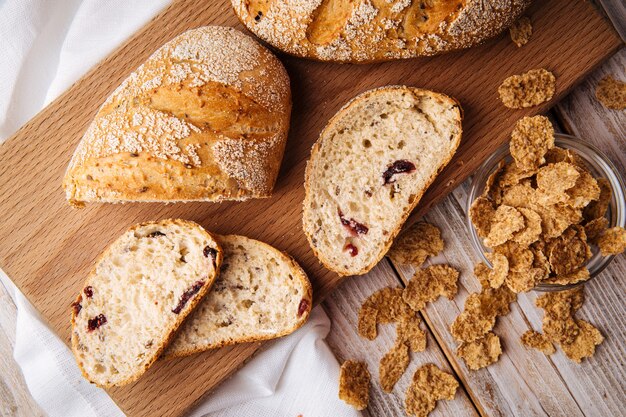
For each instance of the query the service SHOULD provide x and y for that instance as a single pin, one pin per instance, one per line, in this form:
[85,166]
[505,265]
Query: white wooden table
[522,383]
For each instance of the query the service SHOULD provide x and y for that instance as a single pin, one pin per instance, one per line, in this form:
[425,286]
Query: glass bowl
[599,166]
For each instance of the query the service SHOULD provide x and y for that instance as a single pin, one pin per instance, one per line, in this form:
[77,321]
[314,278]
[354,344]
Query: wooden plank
[47,248]
[343,306]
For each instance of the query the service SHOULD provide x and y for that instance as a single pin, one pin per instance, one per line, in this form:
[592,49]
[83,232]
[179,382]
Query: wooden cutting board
[47,248]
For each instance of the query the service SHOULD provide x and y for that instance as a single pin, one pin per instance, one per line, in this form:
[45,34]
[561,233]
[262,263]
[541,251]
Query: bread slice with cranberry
[368,170]
[140,291]
[261,294]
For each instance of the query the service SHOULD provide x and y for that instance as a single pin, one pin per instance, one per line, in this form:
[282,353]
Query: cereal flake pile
[400,306]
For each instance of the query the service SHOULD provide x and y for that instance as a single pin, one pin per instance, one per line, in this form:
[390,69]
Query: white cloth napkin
[46,46]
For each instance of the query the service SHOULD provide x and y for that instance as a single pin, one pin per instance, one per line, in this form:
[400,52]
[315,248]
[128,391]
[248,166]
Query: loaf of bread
[140,291]
[260,294]
[375,30]
[369,169]
[205,118]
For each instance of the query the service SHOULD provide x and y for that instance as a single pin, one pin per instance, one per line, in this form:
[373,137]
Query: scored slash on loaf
[178,128]
[368,170]
[368,31]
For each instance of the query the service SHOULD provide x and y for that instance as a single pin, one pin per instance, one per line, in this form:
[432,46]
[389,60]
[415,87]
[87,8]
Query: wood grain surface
[48,248]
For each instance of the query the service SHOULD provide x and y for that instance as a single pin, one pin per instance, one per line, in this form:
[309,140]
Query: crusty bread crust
[205,118]
[170,332]
[297,272]
[316,147]
[362,32]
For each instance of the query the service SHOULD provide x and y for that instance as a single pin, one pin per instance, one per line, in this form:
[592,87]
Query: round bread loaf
[205,118]
[375,30]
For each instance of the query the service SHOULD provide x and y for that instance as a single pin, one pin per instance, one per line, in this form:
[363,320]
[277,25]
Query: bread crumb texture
[368,170]
[612,93]
[429,385]
[260,294]
[373,30]
[354,384]
[139,292]
[527,90]
[521,31]
[178,127]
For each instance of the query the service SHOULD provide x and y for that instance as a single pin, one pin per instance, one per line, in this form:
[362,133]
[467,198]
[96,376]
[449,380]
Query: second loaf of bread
[205,118]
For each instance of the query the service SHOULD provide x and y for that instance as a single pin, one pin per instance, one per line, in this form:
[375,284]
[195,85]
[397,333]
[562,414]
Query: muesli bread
[140,291]
[370,167]
[368,31]
[178,128]
[261,294]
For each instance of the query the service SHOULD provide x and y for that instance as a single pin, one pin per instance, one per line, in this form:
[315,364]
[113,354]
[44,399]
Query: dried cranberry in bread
[369,169]
[178,128]
[140,291]
[375,30]
[261,294]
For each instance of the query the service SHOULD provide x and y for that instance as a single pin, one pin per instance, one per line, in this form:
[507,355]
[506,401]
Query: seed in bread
[367,31]
[177,129]
[261,294]
[369,169]
[140,291]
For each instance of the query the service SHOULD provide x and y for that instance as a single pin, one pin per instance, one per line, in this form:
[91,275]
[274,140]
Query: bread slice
[261,294]
[369,169]
[138,294]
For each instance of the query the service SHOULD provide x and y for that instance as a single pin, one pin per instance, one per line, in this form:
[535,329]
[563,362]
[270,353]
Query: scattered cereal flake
[520,195]
[354,384]
[555,219]
[579,275]
[556,178]
[525,280]
[416,244]
[569,251]
[530,140]
[480,312]
[393,365]
[481,271]
[521,31]
[512,174]
[595,228]
[383,306]
[584,191]
[367,322]
[526,90]
[409,332]
[585,342]
[429,385]
[613,241]
[534,340]
[561,304]
[481,352]
[520,258]
[532,229]
[481,214]
[500,269]
[598,208]
[429,284]
[557,154]
[611,93]
[506,221]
